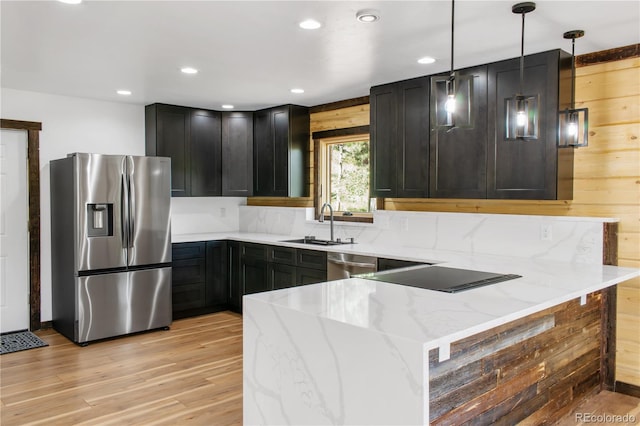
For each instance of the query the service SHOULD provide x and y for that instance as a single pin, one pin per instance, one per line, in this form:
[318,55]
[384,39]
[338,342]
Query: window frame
[322,175]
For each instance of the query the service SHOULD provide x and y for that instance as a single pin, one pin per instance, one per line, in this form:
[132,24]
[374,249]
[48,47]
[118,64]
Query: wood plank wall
[606,180]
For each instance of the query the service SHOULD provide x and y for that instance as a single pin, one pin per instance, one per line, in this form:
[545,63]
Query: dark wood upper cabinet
[458,156]
[206,153]
[191,138]
[399,144]
[280,151]
[237,154]
[383,128]
[473,162]
[529,169]
[167,131]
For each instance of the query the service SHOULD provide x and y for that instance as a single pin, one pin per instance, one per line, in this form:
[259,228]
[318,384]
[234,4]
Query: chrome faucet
[321,219]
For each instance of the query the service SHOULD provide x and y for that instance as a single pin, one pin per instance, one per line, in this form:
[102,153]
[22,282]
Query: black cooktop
[438,278]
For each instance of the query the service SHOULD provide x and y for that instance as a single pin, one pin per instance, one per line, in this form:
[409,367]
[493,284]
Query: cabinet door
[282,276]
[188,277]
[280,143]
[237,154]
[310,276]
[298,179]
[523,169]
[458,157]
[383,133]
[284,255]
[412,142]
[187,250]
[206,154]
[263,154]
[312,259]
[167,135]
[217,288]
[234,276]
[254,275]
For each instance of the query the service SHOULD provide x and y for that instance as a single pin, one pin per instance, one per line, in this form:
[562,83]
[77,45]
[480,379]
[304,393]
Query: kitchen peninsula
[357,351]
[366,352]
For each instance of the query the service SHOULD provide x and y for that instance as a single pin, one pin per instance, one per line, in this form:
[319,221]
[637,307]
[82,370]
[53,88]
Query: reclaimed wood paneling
[616,54]
[534,370]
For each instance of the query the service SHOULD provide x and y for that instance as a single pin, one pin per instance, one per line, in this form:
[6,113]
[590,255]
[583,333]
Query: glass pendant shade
[522,111]
[573,123]
[451,102]
[451,95]
[521,117]
[574,128]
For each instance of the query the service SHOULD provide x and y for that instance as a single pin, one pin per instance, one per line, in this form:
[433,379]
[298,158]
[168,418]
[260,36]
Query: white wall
[71,125]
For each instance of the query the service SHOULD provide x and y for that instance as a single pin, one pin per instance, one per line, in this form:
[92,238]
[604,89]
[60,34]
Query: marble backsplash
[561,238]
[194,215]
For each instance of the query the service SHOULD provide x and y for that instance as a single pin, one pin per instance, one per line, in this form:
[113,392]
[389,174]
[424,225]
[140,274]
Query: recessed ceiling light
[310,24]
[426,60]
[123,92]
[227,106]
[368,15]
[189,70]
[70,1]
[297,90]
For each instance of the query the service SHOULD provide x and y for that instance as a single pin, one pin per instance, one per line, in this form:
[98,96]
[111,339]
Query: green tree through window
[349,172]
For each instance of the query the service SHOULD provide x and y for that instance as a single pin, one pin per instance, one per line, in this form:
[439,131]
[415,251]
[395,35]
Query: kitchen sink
[318,242]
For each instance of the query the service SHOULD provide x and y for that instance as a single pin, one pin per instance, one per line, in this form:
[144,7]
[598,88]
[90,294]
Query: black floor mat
[20,341]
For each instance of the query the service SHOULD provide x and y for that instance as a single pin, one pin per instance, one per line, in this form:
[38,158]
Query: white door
[14,234]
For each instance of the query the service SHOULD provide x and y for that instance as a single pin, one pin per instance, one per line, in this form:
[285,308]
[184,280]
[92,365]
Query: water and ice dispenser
[100,220]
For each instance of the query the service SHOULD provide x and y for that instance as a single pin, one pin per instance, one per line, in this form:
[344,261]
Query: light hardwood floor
[191,374]
[607,405]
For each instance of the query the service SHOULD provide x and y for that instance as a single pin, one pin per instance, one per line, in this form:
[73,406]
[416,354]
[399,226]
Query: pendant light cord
[573,73]
[452,18]
[522,57]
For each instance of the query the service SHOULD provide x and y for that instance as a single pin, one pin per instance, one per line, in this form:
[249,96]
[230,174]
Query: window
[344,173]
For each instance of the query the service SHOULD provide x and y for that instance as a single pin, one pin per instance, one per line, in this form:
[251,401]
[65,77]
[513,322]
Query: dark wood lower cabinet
[234,276]
[282,276]
[254,275]
[306,276]
[217,289]
[199,278]
[214,275]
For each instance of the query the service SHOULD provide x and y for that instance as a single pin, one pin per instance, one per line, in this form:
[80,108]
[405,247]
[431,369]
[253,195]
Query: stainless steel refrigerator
[111,245]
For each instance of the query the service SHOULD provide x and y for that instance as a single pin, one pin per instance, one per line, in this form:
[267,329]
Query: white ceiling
[251,53]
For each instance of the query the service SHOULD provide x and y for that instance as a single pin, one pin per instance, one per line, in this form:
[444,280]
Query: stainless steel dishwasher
[344,265]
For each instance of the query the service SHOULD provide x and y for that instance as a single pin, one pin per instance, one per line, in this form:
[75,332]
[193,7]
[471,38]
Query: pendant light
[451,95]
[522,110]
[574,123]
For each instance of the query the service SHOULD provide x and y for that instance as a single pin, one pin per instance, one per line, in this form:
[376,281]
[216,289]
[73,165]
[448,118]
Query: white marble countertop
[433,318]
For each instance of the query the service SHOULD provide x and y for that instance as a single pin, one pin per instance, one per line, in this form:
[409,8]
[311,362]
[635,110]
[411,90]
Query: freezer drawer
[120,303]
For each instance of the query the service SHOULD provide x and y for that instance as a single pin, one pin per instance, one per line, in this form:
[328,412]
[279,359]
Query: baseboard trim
[45,325]
[627,389]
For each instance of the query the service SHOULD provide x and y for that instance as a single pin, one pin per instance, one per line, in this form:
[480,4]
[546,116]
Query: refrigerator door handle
[124,212]
[132,209]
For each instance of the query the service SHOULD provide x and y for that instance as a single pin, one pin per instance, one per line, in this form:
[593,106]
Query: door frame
[33,187]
